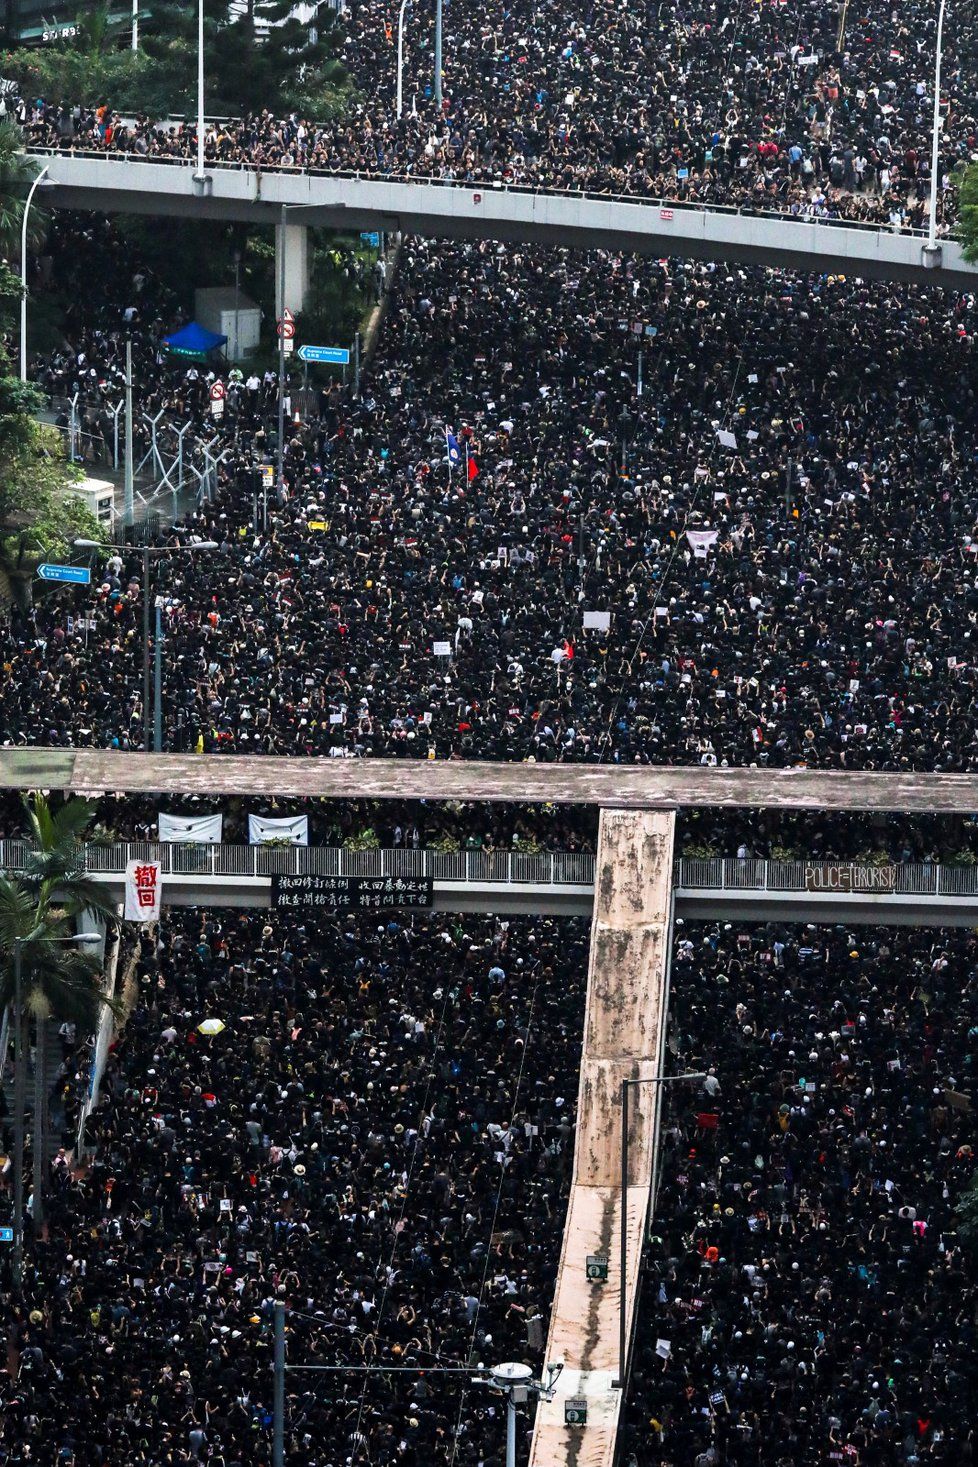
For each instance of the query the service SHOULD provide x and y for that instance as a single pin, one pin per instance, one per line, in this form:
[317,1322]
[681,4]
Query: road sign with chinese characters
[334,356]
[77,574]
[351,893]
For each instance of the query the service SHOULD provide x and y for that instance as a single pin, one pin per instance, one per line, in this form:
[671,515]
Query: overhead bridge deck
[122,183]
[626,787]
[555,883]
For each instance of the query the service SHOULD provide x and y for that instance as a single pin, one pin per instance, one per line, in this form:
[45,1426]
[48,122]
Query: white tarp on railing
[201,829]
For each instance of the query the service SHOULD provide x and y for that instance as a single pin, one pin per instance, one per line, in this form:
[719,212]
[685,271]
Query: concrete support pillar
[297,263]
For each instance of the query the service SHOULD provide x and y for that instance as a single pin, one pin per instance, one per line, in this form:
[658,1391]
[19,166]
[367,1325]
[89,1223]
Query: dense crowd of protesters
[817,111]
[767,484]
[764,480]
[381,1137]
[809,1298]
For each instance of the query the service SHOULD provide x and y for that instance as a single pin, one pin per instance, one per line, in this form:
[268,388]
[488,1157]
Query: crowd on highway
[809,1298]
[380,1137]
[700,514]
[815,111]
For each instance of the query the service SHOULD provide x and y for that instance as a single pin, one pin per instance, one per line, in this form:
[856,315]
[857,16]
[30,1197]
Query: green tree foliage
[968,211]
[17,172]
[59,979]
[37,518]
[259,57]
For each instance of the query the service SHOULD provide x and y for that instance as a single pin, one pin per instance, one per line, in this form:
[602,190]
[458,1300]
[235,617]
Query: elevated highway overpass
[122,183]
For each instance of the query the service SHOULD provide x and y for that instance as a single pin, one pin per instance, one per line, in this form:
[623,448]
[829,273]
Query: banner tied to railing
[362,893]
[292,831]
[144,891]
[831,877]
[191,829]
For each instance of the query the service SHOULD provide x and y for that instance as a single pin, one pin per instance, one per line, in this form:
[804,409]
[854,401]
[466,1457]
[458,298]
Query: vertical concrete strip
[623,1038]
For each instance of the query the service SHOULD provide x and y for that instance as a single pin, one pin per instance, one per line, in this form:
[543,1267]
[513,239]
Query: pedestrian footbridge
[594,1307]
[555,883]
[122,183]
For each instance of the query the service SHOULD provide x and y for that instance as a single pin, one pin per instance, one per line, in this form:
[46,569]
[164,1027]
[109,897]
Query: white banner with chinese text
[144,890]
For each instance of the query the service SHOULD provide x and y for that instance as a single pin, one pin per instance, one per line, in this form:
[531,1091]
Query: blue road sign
[336,356]
[6,1235]
[80,574]
[372,238]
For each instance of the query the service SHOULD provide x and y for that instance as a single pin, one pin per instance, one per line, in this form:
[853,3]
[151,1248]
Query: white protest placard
[597,621]
[442,649]
[702,542]
[727,439]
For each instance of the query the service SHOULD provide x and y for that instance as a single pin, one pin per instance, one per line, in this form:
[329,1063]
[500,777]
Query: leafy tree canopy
[258,57]
[968,211]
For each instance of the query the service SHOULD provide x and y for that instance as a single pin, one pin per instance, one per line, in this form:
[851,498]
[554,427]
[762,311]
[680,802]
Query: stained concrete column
[297,267]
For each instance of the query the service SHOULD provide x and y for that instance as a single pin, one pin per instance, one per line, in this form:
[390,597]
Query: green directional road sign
[575,1411]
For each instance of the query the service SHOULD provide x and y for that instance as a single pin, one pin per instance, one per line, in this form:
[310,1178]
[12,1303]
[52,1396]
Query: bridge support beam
[294,238]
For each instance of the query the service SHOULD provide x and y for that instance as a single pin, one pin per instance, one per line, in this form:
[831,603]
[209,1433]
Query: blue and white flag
[454,452]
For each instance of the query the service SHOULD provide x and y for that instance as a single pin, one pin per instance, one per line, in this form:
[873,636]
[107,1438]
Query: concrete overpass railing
[121,182]
[545,868]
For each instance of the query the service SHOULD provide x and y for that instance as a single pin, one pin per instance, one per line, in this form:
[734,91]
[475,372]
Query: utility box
[97,495]
[230,313]
[575,1411]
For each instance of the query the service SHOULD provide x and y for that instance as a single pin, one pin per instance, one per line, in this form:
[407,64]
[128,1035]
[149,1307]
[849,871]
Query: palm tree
[17,172]
[59,981]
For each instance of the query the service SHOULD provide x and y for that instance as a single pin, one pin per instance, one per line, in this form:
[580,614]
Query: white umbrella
[211,1026]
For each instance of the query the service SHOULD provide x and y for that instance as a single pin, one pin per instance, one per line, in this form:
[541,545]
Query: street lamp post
[200,90]
[281,372]
[935,140]
[19,1103]
[146,551]
[517,1383]
[438,17]
[400,56]
[23,269]
[619,1384]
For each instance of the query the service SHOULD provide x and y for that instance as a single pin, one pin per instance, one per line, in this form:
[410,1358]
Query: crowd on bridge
[813,111]
[809,1298]
[380,1137]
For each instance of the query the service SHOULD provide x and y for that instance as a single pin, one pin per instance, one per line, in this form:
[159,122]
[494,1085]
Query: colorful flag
[472,467]
[454,452]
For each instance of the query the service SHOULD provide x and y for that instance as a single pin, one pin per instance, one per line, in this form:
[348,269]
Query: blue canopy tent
[194,341]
